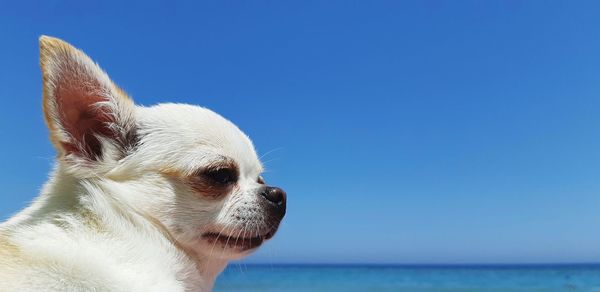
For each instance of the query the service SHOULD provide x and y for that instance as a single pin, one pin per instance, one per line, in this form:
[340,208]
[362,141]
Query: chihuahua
[141,198]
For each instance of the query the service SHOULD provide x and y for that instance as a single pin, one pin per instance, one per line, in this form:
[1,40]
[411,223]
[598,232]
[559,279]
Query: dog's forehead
[196,133]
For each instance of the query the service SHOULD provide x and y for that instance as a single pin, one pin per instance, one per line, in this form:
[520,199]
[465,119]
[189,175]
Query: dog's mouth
[240,242]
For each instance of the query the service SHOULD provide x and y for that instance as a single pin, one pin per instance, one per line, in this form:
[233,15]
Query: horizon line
[524,264]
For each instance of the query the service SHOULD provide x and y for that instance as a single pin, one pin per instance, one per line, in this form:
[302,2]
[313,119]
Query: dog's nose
[274,195]
[275,201]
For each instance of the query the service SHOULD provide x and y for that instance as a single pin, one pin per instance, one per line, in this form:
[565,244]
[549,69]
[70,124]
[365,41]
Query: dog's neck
[210,269]
[94,200]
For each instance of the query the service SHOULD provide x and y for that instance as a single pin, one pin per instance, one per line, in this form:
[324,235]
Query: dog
[155,198]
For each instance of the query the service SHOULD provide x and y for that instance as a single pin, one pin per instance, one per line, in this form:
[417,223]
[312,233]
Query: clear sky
[420,132]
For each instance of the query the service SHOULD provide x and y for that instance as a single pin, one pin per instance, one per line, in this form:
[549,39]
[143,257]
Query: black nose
[274,195]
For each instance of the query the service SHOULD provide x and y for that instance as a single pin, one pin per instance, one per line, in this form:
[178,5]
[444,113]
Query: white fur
[128,222]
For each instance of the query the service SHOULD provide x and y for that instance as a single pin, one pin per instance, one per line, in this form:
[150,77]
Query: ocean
[251,277]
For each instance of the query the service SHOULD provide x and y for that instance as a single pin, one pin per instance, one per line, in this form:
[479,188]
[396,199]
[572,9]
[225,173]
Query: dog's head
[184,166]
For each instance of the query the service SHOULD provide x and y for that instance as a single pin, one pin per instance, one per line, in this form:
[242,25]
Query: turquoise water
[242,277]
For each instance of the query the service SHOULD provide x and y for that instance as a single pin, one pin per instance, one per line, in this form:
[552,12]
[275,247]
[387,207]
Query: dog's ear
[89,117]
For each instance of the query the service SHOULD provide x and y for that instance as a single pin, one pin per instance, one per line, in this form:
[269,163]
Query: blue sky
[413,132]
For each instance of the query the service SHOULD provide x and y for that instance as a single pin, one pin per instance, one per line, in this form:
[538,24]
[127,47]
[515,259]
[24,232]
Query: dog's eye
[260,180]
[221,176]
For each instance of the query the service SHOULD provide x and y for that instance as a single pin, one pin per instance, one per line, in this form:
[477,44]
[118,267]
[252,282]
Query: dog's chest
[103,262]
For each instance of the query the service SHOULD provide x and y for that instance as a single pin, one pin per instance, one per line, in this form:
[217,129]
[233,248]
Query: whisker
[269,152]
[239,264]
[214,244]
[238,235]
